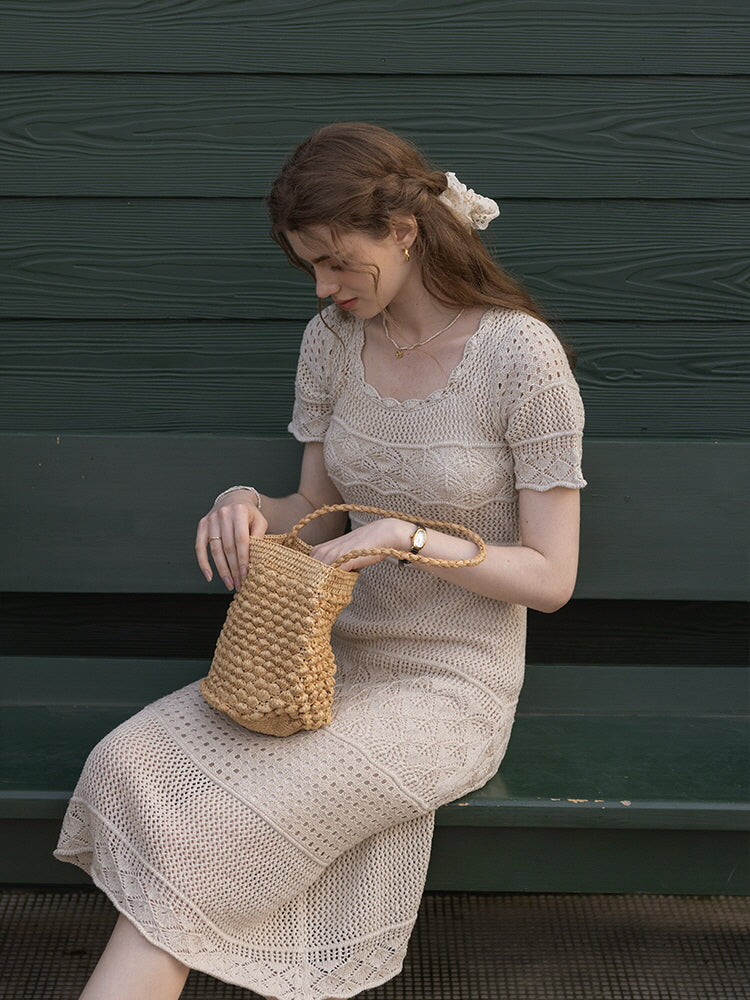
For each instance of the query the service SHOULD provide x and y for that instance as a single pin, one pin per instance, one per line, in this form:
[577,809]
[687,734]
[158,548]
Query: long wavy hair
[355,177]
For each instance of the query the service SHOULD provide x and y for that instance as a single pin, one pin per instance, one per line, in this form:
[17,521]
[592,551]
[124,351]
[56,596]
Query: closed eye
[331,263]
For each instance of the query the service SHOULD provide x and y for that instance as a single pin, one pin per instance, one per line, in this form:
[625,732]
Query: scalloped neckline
[411,403]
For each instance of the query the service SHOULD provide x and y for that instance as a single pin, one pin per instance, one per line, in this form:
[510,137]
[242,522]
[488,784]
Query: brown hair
[356,177]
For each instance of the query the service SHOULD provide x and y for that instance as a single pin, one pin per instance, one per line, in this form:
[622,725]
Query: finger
[329,552]
[248,524]
[238,522]
[239,551]
[216,547]
[209,540]
[258,525]
[338,548]
[225,555]
[201,548]
[360,562]
[222,566]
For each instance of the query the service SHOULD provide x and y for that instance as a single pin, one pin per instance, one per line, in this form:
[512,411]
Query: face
[362,274]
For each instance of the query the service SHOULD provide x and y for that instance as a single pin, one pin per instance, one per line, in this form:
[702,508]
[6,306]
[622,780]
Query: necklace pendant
[400,350]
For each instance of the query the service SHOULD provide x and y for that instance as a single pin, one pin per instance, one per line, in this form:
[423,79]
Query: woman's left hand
[385,533]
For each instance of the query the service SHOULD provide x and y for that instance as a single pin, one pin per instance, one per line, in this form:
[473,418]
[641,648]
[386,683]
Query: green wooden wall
[140,293]
[145,314]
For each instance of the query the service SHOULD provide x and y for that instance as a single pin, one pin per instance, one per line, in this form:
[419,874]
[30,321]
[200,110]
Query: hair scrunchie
[474,210]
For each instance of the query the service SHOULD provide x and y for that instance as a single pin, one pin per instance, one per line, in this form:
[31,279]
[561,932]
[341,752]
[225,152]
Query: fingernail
[228,582]
[208,574]
[243,571]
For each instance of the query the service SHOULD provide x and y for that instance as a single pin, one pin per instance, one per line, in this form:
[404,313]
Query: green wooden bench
[628,764]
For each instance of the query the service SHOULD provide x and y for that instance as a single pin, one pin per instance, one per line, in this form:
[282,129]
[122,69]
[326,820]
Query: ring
[215,538]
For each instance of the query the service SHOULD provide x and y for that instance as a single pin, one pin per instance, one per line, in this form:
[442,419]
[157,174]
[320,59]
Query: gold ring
[215,538]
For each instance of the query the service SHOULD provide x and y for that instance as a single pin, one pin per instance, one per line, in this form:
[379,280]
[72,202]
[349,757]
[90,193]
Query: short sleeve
[543,410]
[313,397]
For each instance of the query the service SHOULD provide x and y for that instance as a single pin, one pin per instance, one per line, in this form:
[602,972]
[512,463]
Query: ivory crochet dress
[294,867]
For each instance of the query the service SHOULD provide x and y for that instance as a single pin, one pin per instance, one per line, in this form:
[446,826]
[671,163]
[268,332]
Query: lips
[346,304]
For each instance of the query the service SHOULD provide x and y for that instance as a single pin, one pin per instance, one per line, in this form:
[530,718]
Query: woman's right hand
[225,534]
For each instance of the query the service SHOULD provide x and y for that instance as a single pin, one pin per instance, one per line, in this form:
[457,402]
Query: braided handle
[458,529]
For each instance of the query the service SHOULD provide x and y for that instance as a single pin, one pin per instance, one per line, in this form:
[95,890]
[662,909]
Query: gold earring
[406,253]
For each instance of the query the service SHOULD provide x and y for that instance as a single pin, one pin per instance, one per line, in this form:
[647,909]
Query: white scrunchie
[472,209]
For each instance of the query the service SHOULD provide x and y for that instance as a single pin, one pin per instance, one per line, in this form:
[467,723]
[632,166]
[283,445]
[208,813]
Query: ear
[404,231]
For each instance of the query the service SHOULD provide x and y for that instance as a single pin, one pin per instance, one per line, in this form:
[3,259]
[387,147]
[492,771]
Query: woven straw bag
[273,667]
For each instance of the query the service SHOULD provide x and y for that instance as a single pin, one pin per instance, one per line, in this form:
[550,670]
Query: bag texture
[273,669]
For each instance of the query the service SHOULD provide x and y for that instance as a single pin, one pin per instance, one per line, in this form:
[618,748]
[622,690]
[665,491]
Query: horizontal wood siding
[143,258]
[639,379]
[412,36]
[151,135]
[139,291]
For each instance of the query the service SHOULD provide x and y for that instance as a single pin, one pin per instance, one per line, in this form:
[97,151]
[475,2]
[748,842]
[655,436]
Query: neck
[413,321]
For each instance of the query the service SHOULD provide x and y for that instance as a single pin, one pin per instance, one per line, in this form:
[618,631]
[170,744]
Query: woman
[430,385]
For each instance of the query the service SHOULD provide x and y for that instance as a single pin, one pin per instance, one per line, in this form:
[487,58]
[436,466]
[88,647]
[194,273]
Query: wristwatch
[418,542]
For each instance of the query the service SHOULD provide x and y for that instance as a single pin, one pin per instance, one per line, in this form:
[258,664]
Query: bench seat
[627,767]
[577,777]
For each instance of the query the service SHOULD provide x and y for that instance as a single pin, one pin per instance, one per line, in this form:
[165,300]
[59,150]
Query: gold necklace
[401,350]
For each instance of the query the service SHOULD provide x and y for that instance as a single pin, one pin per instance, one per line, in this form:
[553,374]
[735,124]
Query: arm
[539,573]
[226,529]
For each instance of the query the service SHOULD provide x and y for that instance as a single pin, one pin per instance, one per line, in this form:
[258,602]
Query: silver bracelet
[250,489]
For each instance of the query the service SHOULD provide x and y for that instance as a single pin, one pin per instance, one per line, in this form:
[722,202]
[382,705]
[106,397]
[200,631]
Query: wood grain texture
[644,380]
[96,258]
[664,519]
[227,135]
[414,36]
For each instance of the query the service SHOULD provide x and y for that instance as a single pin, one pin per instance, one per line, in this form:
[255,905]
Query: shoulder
[325,338]
[328,332]
[517,333]
[526,349]
[331,322]
[529,367]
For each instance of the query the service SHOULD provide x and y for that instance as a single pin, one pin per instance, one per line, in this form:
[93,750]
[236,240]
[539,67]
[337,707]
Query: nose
[325,284]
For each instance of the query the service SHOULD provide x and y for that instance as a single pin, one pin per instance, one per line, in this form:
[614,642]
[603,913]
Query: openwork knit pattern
[294,867]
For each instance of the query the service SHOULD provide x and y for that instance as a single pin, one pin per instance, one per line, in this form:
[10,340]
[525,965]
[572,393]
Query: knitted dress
[294,867]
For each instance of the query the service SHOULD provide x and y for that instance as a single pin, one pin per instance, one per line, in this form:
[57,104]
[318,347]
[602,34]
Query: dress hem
[405,928]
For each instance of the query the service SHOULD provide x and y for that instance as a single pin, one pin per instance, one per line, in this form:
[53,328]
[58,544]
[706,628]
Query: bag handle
[447,526]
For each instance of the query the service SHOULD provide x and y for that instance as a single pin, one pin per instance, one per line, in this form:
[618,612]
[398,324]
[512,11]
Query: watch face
[419,538]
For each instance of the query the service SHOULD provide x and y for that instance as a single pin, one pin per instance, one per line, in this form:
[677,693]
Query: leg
[131,968]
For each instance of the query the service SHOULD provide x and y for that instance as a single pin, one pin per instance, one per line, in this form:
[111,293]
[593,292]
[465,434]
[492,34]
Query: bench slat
[548,689]
[574,770]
